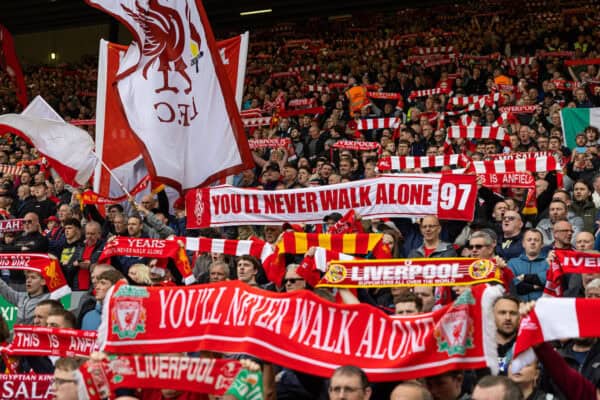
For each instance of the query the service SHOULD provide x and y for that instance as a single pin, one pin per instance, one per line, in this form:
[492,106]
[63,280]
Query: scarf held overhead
[199,375]
[400,195]
[150,248]
[409,272]
[569,262]
[42,341]
[43,264]
[300,330]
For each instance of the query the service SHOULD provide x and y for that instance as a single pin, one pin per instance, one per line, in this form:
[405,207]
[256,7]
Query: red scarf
[409,273]
[90,197]
[150,248]
[198,375]
[300,330]
[48,267]
[40,341]
[569,262]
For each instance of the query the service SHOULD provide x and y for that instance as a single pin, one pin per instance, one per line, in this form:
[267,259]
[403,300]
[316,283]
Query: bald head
[410,391]
[584,241]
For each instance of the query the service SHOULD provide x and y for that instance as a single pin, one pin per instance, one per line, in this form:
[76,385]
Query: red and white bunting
[256,122]
[377,123]
[540,164]
[404,162]
[477,132]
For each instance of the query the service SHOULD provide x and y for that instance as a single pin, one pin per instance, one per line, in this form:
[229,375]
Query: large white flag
[68,149]
[175,93]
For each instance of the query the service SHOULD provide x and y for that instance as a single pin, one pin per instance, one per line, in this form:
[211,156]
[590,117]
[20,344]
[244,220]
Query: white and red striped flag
[176,95]
[553,319]
[477,132]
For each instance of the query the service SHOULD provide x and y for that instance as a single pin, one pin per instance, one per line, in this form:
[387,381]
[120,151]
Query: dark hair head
[409,297]
[509,297]
[72,222]
[68,317]
[253,260]
[351,370]
[55,305]
[66,364]
[112,275]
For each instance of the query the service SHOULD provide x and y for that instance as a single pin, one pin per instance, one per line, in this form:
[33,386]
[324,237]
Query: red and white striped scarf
[274,143]
[493,56]
[435,63]
[466,120]
[466,100]
[256,122]
[304,68]
[539,164]
[403,162]
[428,92]
[516,61]
[504,117]
[384,44]
[377,123]
[355,145]
[256,248]
[334,77]
[316,88]
[477,132]
[432,50]
[10,169]
[251,113]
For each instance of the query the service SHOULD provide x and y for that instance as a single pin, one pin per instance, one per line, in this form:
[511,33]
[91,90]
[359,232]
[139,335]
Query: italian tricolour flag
[575,120]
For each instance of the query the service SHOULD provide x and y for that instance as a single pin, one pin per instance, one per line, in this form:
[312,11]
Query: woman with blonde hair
[140,274]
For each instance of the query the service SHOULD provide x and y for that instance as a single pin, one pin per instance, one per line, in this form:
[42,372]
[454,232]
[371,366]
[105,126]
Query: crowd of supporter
[331,71]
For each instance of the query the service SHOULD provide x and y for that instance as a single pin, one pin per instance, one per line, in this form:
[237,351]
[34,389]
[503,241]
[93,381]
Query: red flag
[175,94]
[10,63]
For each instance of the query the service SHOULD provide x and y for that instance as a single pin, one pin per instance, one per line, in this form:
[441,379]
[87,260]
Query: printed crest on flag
[175,93]
[454,332]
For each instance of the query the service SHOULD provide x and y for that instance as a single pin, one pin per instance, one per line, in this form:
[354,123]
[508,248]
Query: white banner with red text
[300,330]
[450,197]
[26,386]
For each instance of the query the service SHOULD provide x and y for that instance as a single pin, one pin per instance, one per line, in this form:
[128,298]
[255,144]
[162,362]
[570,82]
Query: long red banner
[199,375]
[409,272]
[449,197]
[299,330]
[43,264]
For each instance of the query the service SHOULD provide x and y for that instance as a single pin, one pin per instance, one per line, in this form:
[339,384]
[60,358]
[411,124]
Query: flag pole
[113,175]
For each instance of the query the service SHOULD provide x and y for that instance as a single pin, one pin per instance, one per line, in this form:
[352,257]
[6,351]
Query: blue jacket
[534,273]
[91,319]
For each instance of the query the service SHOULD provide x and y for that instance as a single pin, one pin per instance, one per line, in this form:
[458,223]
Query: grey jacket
[155,229]
[443,249]
[25,303]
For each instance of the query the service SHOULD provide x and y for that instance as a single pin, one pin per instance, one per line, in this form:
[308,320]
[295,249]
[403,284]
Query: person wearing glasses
[433,246]
[64,383]
[510,244]
[349,383]
[292,281]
